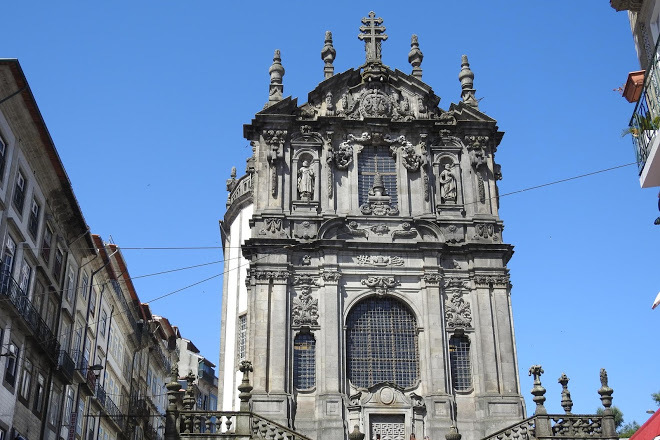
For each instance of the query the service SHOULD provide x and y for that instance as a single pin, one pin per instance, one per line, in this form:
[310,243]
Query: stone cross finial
[466,77]
[372,35]
[276,72]
[538,391]
[244,387]
[415,57]
[328,54]
[566,401]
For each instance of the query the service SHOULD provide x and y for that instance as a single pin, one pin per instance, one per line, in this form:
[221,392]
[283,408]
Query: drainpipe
[105,361]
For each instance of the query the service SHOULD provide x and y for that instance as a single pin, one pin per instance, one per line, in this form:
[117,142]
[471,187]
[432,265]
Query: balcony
[66,367]
[644,125]
[22,306]
[110,407]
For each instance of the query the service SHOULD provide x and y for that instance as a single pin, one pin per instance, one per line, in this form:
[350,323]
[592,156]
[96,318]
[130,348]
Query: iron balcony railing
[66,366]
[41,332]
[644,124]
[110,407]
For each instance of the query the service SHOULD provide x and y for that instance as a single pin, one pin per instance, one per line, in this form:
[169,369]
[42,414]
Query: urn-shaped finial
[466,77]
[276,72]
[328,54]
[415,57]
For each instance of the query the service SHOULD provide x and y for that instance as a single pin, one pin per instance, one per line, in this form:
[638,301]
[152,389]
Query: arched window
[372,160]
[459,359]
[382,343]
[304,361]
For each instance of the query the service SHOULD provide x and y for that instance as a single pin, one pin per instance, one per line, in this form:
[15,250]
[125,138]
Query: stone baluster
[415,57]
[566,401]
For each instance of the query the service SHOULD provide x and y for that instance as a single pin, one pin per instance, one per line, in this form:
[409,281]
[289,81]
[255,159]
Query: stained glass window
[382,343]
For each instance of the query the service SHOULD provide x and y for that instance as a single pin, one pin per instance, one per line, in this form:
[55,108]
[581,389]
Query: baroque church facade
[366,276]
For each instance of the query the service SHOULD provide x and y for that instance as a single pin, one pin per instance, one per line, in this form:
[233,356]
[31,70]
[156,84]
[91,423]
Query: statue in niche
[305,182]
[447,185]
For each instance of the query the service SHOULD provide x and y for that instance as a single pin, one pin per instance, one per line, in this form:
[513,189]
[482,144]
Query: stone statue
[447,185]
[306,182]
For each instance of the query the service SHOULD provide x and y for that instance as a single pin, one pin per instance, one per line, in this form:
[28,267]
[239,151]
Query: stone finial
[538,391]
[328,54]
[231,182]
[276,72]
[244,387]
[566,401]
[466,77]
[415,57]
[378,188]
[605,391]
[356,434]
[189,399]
[372,35]
[453,433]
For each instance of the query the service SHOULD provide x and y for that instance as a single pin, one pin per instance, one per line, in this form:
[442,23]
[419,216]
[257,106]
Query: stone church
[366,278]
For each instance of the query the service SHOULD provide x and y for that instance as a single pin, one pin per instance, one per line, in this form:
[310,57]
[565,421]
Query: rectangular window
[3,161]
[8,257]
[372,161]
[45,244]
[54,407]
[33,223]
[38,297]
[19,193]
[26,380]
[51,314]
[459,360]
[24,279]
[90,426]
[68,406]
[57,266]
[11,364]
[84,286]
[242,337]
[80,418]
[103,322]
[70,282]
[3,434]
[39,394]
[92,298]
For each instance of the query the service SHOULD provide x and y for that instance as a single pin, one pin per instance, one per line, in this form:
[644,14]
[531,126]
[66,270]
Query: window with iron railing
[304,361]
[374,160]
[459,359]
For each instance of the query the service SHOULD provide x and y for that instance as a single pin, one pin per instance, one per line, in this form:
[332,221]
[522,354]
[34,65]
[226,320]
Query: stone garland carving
[457,311]
[304,279]
[273,227]
[344,154]
[276,275]
[456,283]
[447,118]
[476,146]
[453,233]
[485,231]
[432,278]
[405,231]
[494,280]
[481,187]
[409,157]
[380,284]
[305,309]
[332,275]
[379,260]
[275,142]
[327,145]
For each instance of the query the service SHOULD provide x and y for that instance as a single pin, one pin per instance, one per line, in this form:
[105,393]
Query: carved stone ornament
[380,284]
[275,142]
[492,280]
[305,230]
[305,260]
[343,155]
[476,145]
[379,260]
[452,283]
[329,157]
[305,308]
[457,311]
[355,399]
[331,275]
[409,157]
[378,201]
[304,279]
[417,401]
[446,118]
[485,231]
[453,233]
[273,228]
[432,278]
[405,231]
[275,275]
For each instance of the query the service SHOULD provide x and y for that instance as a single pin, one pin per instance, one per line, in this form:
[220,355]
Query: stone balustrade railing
[239,188]
[269,430]
[227,424]
[524,430]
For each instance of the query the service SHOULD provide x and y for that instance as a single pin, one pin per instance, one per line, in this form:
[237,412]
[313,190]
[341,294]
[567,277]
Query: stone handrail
[226,424]
[269,430]
[524,430]
[554,426]
[241,187]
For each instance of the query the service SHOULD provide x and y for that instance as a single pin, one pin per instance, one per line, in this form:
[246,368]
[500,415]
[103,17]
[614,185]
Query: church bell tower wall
[377,293]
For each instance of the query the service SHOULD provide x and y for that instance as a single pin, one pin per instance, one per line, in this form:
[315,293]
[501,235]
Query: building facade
[366,275]
[81,358]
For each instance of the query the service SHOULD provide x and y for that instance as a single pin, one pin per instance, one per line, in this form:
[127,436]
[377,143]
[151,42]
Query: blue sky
[146,102]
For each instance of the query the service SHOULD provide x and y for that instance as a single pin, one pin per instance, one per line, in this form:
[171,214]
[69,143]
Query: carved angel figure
[448,185]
